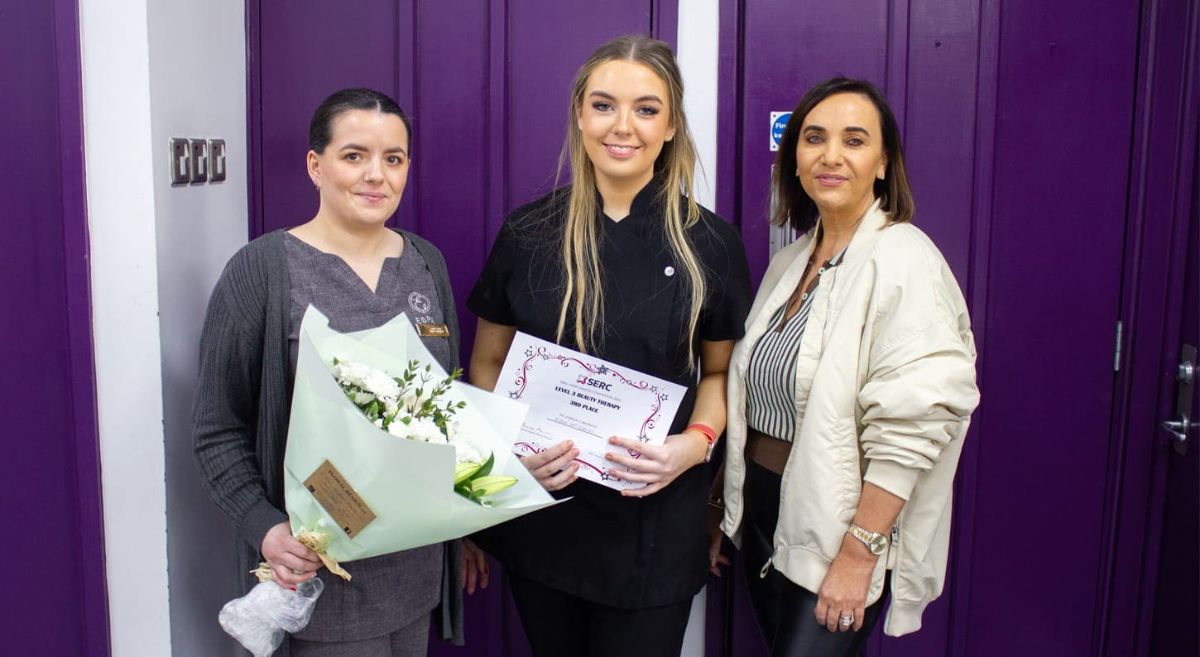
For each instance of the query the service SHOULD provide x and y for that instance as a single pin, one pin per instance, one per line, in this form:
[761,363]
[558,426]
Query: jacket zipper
[893,553]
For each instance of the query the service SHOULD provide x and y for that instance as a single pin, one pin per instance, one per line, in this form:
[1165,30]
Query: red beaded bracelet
[704,429]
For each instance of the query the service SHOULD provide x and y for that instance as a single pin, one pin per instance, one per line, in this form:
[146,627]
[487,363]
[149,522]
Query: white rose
[398,428]
[382,385]
[420,429]
[352,373]
[428,431]
[363,398]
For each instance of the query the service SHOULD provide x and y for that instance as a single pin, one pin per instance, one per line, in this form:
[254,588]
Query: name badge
[433,330]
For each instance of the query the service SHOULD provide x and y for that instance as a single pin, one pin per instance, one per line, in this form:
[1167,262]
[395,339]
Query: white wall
[155,70]
[197,89]
[699,22]
[119,158]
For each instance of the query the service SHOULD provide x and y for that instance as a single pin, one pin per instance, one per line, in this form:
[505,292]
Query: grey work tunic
[390,591]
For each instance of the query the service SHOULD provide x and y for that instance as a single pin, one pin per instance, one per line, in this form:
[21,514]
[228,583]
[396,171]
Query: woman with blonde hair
[624,264]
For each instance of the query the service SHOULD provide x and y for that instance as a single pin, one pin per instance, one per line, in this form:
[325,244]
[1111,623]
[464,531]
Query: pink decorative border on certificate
[533,354]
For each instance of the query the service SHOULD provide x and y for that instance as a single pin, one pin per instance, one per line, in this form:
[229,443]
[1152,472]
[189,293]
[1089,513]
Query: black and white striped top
[771,376]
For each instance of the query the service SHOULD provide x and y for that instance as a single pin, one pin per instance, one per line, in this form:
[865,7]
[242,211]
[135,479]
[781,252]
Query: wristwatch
[877,543]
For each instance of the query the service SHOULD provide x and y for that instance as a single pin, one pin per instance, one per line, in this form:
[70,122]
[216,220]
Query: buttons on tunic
[669,270]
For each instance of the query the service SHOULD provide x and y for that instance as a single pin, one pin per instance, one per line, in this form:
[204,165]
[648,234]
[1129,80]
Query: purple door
[1172,618]
[487,85]
[54,590]
[1018,121]
[1152,599]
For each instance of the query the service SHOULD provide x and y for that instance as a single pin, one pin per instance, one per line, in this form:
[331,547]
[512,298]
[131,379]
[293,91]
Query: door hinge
[1117,349]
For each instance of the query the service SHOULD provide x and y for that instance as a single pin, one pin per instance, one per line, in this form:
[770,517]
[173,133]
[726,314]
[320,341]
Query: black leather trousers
[785,610]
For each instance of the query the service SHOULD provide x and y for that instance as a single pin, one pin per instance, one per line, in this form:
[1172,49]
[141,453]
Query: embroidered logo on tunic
[418,302]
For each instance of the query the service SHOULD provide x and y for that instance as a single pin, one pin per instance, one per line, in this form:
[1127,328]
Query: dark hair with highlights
[320,129]
[793,206]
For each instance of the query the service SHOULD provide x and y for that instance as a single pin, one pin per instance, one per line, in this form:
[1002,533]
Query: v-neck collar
[386,269]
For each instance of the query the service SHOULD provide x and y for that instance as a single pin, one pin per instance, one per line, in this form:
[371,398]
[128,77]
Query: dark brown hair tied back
[320,129]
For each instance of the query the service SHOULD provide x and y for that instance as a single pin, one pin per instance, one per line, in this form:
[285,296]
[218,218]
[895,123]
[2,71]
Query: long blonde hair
[583,294]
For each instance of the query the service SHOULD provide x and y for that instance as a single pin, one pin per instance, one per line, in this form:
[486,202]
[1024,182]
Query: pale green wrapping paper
[409,485]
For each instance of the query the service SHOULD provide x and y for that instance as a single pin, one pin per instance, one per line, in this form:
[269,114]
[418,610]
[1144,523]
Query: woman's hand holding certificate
[577,404]
[658,465]
[554,467]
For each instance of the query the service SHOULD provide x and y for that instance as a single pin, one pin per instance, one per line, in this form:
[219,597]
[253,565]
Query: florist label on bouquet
[339,499]
[574,396]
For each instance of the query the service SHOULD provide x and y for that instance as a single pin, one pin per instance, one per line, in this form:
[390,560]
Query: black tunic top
[618,551]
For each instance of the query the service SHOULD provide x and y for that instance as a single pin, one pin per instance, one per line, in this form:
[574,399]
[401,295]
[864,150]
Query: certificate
[574,396]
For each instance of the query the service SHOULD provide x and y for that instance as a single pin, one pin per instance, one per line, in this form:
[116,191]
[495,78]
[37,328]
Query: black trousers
[785,610]
[562,625]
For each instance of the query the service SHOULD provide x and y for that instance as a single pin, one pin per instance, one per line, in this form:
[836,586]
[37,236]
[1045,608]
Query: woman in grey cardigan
[359,273]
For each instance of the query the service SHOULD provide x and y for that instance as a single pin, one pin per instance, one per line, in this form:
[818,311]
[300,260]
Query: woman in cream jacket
[850,393]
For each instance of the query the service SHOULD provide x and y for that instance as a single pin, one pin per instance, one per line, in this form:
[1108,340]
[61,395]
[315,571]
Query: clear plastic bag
[259,619]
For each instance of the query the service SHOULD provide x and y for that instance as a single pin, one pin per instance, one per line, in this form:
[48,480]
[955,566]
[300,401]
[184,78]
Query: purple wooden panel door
[547,42]
[299,53]
[1152,600]
[996,104]
[1173,616]
[1052,284]
[1176,604]
[54,588]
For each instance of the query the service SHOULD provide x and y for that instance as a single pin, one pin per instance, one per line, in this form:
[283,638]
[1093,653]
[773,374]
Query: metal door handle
[1179,428]
[1186,372]
[1185,378]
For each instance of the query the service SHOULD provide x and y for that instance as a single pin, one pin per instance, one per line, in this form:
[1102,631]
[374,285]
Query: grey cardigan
[243,399]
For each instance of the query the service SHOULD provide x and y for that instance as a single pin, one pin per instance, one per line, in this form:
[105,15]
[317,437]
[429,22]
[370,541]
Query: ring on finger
[846,620]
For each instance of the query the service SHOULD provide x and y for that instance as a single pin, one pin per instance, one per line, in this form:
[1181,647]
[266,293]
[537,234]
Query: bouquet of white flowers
[413,406]
[350,482]
[354,490]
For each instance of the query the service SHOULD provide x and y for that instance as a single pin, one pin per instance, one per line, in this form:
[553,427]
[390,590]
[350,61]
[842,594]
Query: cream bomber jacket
[885,388]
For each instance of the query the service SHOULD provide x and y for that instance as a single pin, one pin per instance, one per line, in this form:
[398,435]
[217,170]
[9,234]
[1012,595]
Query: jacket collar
[874,220]
[643,202]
